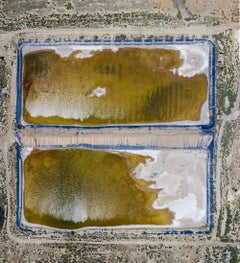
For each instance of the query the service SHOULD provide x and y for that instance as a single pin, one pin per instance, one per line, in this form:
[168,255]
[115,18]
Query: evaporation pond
[114,85]
[78,187]
[74,188]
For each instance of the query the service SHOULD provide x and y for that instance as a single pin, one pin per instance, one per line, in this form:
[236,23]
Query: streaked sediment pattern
[124,86]
[73,188]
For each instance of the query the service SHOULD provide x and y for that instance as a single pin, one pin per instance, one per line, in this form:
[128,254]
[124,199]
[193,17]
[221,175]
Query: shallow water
[135,85]
[73,188]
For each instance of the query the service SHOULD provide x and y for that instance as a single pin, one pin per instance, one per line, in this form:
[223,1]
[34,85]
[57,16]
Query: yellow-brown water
[73,188]
[140,88]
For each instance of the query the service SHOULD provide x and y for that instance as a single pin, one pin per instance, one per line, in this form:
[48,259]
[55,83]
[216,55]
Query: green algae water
[127,86]
[74,188]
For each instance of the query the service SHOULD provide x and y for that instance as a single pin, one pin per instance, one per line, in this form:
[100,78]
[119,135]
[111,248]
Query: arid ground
[217,21]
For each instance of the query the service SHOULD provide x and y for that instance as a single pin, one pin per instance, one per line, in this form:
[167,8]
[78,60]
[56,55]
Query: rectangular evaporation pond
[77,187]
[126,84]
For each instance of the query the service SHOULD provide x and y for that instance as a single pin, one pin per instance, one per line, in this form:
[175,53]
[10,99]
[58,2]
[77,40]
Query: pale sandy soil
[237,38]
[171,138]
[166,7]
[213,8]
[180,176]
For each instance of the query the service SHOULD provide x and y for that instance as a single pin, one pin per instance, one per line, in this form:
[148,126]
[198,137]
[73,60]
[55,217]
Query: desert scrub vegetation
[227,76]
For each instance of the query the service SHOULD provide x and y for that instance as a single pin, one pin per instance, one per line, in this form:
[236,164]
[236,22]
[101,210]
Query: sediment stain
[74,188]
[138,83]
